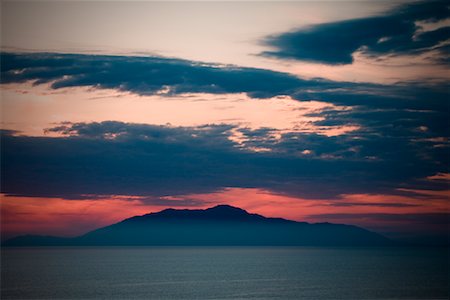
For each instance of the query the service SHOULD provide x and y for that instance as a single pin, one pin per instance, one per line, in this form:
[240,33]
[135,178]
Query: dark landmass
[221,225]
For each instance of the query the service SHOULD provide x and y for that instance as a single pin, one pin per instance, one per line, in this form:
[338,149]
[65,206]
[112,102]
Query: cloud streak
[144,75]
[395,33]
[169,76]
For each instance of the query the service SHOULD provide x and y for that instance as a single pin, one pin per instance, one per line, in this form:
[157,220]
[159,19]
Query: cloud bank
[402,136]
[115,158]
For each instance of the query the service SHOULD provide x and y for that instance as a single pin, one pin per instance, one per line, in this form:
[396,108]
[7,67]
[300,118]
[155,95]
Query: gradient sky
[312,111]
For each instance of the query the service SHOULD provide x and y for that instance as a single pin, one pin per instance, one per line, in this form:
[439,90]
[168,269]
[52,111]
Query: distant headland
[221,225]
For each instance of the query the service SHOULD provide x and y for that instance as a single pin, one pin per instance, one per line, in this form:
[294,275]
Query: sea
[224,273]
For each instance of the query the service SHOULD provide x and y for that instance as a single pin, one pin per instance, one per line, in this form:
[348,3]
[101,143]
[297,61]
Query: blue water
[224,273]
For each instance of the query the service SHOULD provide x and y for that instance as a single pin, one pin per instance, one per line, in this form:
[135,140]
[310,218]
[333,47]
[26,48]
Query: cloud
[396,111]
[440,176]
[115,158]
[401,135]
[169,76]
[396,33]
[144,75]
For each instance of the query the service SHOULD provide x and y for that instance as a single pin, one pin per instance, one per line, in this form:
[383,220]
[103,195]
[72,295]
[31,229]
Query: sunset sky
[311,111]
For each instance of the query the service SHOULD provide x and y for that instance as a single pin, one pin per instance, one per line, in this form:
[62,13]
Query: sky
[312,111]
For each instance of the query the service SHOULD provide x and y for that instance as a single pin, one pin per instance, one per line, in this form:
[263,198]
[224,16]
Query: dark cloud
[144,75]
[168,76]
[394,33]
[403,135]
[146,160]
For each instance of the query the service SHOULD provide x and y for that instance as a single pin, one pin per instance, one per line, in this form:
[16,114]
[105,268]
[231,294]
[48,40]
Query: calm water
[225,273]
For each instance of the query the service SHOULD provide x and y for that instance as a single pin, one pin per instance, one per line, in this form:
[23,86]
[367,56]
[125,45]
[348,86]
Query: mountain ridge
[221,225]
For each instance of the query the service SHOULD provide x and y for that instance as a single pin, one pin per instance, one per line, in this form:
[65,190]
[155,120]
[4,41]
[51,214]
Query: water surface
[224,273]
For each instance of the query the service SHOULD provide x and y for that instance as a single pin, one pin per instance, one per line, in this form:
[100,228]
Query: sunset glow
[317,112]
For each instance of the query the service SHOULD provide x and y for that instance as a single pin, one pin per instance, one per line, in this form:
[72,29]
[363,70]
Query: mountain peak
[222,210]
[226,208]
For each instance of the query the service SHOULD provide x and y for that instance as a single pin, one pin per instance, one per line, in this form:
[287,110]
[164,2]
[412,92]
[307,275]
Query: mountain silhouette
[222,225]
